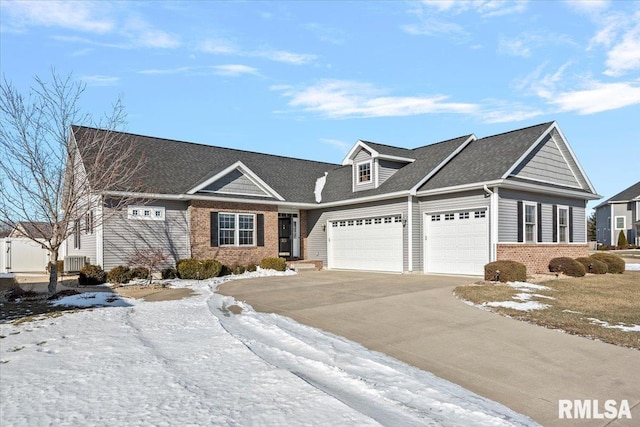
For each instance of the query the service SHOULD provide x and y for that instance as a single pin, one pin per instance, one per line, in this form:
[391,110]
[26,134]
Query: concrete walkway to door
[416,319]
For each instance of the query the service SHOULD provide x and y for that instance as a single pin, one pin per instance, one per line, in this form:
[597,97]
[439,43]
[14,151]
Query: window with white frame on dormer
[364,173]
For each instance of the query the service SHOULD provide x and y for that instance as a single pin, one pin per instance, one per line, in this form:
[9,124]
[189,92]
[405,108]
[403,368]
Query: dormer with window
[372,164]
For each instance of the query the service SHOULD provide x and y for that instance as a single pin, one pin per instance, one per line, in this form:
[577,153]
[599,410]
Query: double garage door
[456,242]
[373,244]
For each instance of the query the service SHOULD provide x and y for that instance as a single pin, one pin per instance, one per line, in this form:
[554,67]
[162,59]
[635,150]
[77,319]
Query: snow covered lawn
[194,362]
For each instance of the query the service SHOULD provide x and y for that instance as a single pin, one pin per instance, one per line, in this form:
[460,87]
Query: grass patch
[610,298]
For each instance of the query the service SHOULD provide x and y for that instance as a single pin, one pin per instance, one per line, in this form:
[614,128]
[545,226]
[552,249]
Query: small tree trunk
[53,272]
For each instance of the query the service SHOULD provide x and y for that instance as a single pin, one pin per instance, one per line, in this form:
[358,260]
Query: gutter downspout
[493,223]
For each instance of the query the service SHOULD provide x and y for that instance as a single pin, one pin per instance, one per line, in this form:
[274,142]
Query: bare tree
[149,258]
[47,175]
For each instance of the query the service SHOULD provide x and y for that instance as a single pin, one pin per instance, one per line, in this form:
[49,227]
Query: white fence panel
[21,255]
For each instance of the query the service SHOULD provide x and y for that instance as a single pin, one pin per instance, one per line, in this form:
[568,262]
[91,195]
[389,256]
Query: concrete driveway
[416,319]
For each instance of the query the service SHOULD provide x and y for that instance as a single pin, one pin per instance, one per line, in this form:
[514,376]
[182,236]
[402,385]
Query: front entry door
[284,237]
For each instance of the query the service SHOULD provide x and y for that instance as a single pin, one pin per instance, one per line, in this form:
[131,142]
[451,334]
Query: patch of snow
[621,326]
[95,299]
[193,362]
[520,306]
[571,311]
[528,287]
[632,267]
[7,275]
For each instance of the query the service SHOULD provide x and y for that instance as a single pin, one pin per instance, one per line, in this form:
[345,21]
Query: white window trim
[236,230]
[565,208]
[624,222]
[138,213]
[370,181]
[524,222]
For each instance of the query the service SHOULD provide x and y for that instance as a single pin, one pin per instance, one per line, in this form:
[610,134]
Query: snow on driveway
[194,362]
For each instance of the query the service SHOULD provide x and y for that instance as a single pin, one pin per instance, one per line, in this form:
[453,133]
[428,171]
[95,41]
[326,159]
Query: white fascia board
[443,163]
[247,172]
[386,196]
[395,158]
[187,197]
[548,190]
[575,159]
[458,188]
[526,153]
[360,144]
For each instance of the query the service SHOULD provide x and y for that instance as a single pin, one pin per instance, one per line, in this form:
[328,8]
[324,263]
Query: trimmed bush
[59,263]
[198,269]
[568,266]
[169,273]
[91,275]
[119,274]
[597,267]
[622,240]
[615,264]
[140,273]
[510,271]
[278,264]
[252,267]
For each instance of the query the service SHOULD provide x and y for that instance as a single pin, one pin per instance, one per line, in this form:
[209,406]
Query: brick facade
[537,256]
[200,214]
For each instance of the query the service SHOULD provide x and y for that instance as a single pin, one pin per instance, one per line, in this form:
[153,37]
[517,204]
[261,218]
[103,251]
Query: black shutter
[570,224]
[214,229]
[555,223]
[539,208]
[260,229]
[520,226]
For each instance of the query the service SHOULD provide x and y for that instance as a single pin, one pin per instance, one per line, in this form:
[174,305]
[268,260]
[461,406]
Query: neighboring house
[20,254]
[619,213]
[449,207]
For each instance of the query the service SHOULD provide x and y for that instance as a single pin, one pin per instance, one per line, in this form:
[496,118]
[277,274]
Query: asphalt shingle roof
[175,167]
[625,195]
[486,159]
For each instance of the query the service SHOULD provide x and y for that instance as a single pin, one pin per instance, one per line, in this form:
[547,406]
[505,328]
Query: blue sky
[308,79]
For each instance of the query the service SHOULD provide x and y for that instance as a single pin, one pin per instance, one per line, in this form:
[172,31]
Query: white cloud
[82,16]
[344,99]
[525,43]
[223,47]
[231,70]
[156,39]
[100,80]
[234,70]
[500,112]
[589,7]
[430,26]
[341,145]
[485,8]
[625,55]
[597,97]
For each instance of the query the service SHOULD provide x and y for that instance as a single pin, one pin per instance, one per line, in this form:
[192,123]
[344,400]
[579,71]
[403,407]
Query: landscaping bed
[602,307]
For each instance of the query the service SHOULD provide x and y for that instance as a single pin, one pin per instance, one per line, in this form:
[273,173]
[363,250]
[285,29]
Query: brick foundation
[200,212]
[537,257]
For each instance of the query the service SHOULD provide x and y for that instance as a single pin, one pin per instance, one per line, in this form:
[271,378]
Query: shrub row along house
[449,207]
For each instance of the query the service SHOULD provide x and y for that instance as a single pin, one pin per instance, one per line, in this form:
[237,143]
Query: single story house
[619,213]
[449,207]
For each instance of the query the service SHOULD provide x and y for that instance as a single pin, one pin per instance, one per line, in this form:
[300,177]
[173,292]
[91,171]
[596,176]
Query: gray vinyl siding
[564,149]
[626,210]
[548,164]
[508,215]
[122,236]
[361,157]
[453,202]
[316,219]
[87,244]
[386,169]
[235,182]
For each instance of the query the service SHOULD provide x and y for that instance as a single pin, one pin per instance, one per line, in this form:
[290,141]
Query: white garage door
[366,244]
[457,242]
